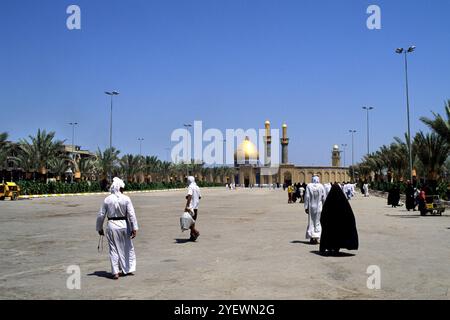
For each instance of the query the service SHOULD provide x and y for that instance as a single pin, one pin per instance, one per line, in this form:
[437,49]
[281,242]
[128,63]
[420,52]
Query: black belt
[117,218]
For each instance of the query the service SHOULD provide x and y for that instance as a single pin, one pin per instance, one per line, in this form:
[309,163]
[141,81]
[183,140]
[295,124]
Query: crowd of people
[415,196]
[330,219]
[296,191]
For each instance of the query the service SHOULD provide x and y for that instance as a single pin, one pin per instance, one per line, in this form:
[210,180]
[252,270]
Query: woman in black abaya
[338,223]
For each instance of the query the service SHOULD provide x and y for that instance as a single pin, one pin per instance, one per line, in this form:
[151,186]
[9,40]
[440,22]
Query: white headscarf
[115,189]
[191,180]
[315,179]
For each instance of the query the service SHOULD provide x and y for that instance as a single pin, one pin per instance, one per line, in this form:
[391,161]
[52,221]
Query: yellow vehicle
[9,190]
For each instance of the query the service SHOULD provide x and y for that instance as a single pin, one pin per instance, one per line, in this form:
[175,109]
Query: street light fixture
[353,154]
[140,145]
[73,124]
[111,94]
[344,146]
[368,139]
[187,126]
[405,52]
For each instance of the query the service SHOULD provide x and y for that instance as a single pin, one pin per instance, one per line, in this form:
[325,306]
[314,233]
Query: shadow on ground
[303,242]
[337,255]
[182,241]
[101,274]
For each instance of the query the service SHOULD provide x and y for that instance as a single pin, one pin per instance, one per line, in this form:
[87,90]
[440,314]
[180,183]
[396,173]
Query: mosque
[250,171]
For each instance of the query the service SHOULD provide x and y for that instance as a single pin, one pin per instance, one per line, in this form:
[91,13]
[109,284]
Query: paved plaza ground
[252,246]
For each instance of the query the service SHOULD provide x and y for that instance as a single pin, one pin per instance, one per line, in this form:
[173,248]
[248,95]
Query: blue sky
[229,63]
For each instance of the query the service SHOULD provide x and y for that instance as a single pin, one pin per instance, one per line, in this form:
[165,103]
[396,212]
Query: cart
[433,205]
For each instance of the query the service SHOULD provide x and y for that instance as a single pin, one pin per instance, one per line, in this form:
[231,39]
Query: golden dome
[246,152]
[284,125]
[336,147]
[267,122]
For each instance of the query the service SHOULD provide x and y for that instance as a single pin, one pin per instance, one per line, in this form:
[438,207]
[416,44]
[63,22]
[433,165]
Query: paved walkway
[251,246]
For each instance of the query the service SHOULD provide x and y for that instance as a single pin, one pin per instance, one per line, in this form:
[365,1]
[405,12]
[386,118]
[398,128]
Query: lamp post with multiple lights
[353,154]
[73,124]
[111,94]
[405,52]
[140,146]
[368,134]
[187,126]
[344,146]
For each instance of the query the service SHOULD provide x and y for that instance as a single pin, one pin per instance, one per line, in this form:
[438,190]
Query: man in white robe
[366,189]
[192,202]
[122,226]
[314,200]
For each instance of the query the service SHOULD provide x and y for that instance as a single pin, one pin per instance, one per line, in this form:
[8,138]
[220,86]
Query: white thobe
[118,232]
[366,190]
[314,199]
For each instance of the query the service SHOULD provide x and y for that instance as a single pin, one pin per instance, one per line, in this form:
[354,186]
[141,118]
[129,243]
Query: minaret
[284,146]
[336,156]
[268,142]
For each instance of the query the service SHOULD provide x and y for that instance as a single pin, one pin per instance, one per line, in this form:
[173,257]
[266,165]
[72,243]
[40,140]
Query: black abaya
[338,223]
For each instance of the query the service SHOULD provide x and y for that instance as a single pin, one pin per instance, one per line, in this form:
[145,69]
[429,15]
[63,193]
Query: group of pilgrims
[122,225]
[414,197]
[331,221]
[296,191]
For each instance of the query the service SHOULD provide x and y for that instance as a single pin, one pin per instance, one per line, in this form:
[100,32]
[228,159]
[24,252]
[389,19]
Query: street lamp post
[344,146]
[140,145]
[167,153]
[111,94]
[73,124]
[405,52]
[368,134]
[187,126]
[353,154]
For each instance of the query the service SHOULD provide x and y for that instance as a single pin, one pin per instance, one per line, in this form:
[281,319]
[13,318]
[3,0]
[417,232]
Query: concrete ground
[252,246]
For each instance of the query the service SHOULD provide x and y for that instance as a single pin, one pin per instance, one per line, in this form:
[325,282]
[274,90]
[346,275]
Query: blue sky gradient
[231,64]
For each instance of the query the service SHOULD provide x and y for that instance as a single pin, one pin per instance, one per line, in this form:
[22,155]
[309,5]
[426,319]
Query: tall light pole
[140,145]
[73,124]
[344,146]
[167,153]
[111,94]
[405,52]
[187,126]
[353,154]
[368,134]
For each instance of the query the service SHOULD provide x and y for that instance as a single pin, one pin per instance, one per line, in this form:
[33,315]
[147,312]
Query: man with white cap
[192,201]
[314,200]
[121,228]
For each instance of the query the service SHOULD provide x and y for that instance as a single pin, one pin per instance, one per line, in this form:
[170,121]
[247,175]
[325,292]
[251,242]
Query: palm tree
[42,149]
[151,166]
[86,167]
[440,125]
[107,162]
[131,166]
[59,166]
[166,167]
[4,149]
[432,151]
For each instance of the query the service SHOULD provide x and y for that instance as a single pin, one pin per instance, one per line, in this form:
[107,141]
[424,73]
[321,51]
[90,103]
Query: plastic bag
[186,221]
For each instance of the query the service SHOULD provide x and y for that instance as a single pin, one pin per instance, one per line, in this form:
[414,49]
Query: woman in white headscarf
[121,228]
[192,202]
[314,199]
